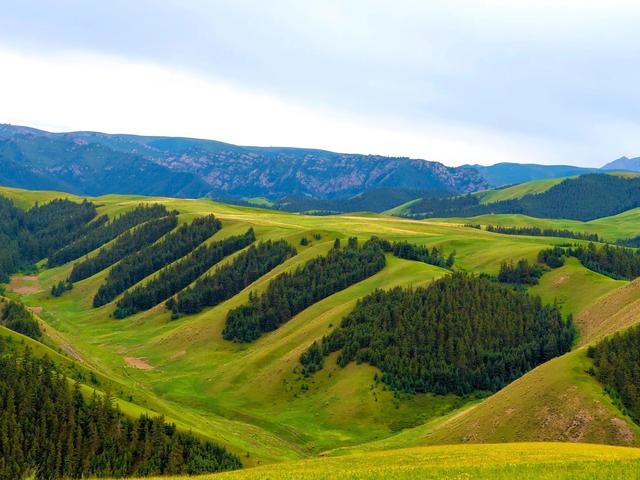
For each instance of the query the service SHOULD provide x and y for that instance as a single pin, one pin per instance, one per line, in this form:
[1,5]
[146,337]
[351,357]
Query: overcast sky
[453,81]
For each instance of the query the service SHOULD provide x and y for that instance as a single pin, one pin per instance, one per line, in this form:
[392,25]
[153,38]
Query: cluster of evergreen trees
[633,242]
[422,253]
[105,233]
[152,258]
[290,293]
[617,366]
[11,227]
[15,316]
[179,275]
[419,253]
[552,257]
[48,430]
[126,244]
[29,236]
[543,232]
[56,224]
[463,205]
[460,334]
[583,198]
[616,262]
[59,288]
[230,279]
[522,273]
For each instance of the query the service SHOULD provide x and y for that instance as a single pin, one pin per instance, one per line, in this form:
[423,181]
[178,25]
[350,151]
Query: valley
[253,399]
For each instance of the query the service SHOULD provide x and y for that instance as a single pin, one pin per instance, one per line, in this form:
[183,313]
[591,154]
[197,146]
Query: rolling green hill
[518,191]
[253,399]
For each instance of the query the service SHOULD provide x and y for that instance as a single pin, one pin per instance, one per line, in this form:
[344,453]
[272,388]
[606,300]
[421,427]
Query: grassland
[574,287]
[527,461]
[621,226]
[518,191]
[251,397]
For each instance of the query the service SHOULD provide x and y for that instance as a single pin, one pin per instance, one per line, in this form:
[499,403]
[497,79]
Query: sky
[460,82]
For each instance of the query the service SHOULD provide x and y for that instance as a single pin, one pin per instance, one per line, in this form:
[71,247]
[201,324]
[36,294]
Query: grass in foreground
[493,461]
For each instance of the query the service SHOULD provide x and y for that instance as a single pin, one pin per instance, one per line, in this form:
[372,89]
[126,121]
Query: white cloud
[77,91]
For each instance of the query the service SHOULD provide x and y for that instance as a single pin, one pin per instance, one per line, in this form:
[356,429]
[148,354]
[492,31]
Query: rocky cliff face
[203,166]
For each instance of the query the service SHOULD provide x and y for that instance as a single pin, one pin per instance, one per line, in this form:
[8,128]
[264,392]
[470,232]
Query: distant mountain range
[95,163]
[295,179]
[624,163]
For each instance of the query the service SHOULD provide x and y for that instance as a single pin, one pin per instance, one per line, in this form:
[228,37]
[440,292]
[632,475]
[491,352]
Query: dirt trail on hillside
[178,354]
[618,310]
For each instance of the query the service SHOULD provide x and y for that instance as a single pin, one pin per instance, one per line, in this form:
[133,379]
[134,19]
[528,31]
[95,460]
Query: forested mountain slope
[582,198]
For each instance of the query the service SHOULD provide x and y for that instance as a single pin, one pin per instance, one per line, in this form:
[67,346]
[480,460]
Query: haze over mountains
[94,163]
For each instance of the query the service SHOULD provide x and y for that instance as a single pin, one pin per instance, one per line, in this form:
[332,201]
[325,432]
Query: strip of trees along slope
[460,334]
[292,292]
[229,280]
[616,366]
[106,232]
[126,244]
[29,236]
[541,232]
[616,262]
[94,438]
[181,274]
[138,265]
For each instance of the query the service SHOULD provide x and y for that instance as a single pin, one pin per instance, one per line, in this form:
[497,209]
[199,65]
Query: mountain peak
[624,163]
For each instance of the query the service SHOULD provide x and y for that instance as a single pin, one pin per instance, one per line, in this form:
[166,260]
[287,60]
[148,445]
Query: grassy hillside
[558,401]
[621,226]
[610,313]
[527,461]
[251,397]
[575,287]
[518,191]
